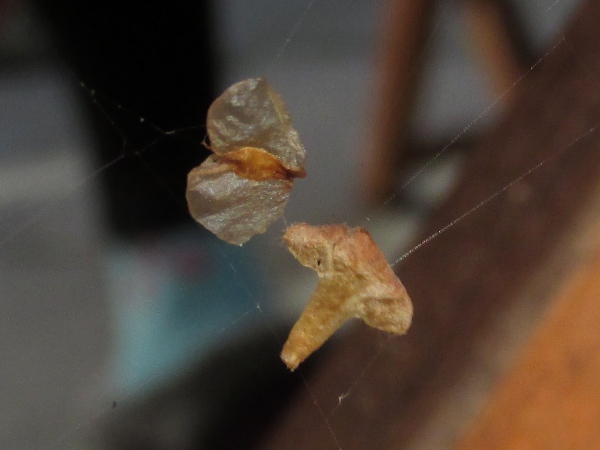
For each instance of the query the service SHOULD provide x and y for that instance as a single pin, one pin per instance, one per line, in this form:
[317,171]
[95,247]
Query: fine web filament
[492,196]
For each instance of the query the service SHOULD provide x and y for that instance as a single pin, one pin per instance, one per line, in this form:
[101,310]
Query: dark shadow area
[229,401]
[155,62]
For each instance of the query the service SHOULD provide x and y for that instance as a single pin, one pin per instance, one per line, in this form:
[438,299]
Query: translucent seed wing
[251,114]
[232,207]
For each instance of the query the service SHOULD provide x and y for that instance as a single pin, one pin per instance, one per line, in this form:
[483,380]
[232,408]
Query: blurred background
[123,323]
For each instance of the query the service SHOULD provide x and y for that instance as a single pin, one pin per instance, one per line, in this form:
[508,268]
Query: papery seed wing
[234,208]
[251,114]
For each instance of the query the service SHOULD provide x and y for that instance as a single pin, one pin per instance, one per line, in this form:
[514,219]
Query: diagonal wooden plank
[405,27]
[463,278]
[551,398]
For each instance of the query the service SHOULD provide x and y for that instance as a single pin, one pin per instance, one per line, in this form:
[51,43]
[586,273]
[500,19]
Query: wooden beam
[493,37]
[477,268]
[552,397]
[406,25]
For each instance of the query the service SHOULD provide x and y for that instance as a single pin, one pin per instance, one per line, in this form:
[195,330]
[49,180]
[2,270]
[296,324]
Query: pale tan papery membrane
[244,187]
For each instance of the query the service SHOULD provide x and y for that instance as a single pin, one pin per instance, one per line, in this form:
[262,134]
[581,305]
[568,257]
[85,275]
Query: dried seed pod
[355,280]
[244,186]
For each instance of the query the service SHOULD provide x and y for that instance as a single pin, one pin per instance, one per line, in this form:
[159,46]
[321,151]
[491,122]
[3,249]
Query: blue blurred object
[175,298]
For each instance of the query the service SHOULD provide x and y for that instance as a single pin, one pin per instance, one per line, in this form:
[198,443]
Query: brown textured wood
[551,399]
[475,269]
[406,24]
[492,36]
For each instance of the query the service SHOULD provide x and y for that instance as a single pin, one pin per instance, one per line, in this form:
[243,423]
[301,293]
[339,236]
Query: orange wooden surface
[406,25]
[551,399]
[491,36]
